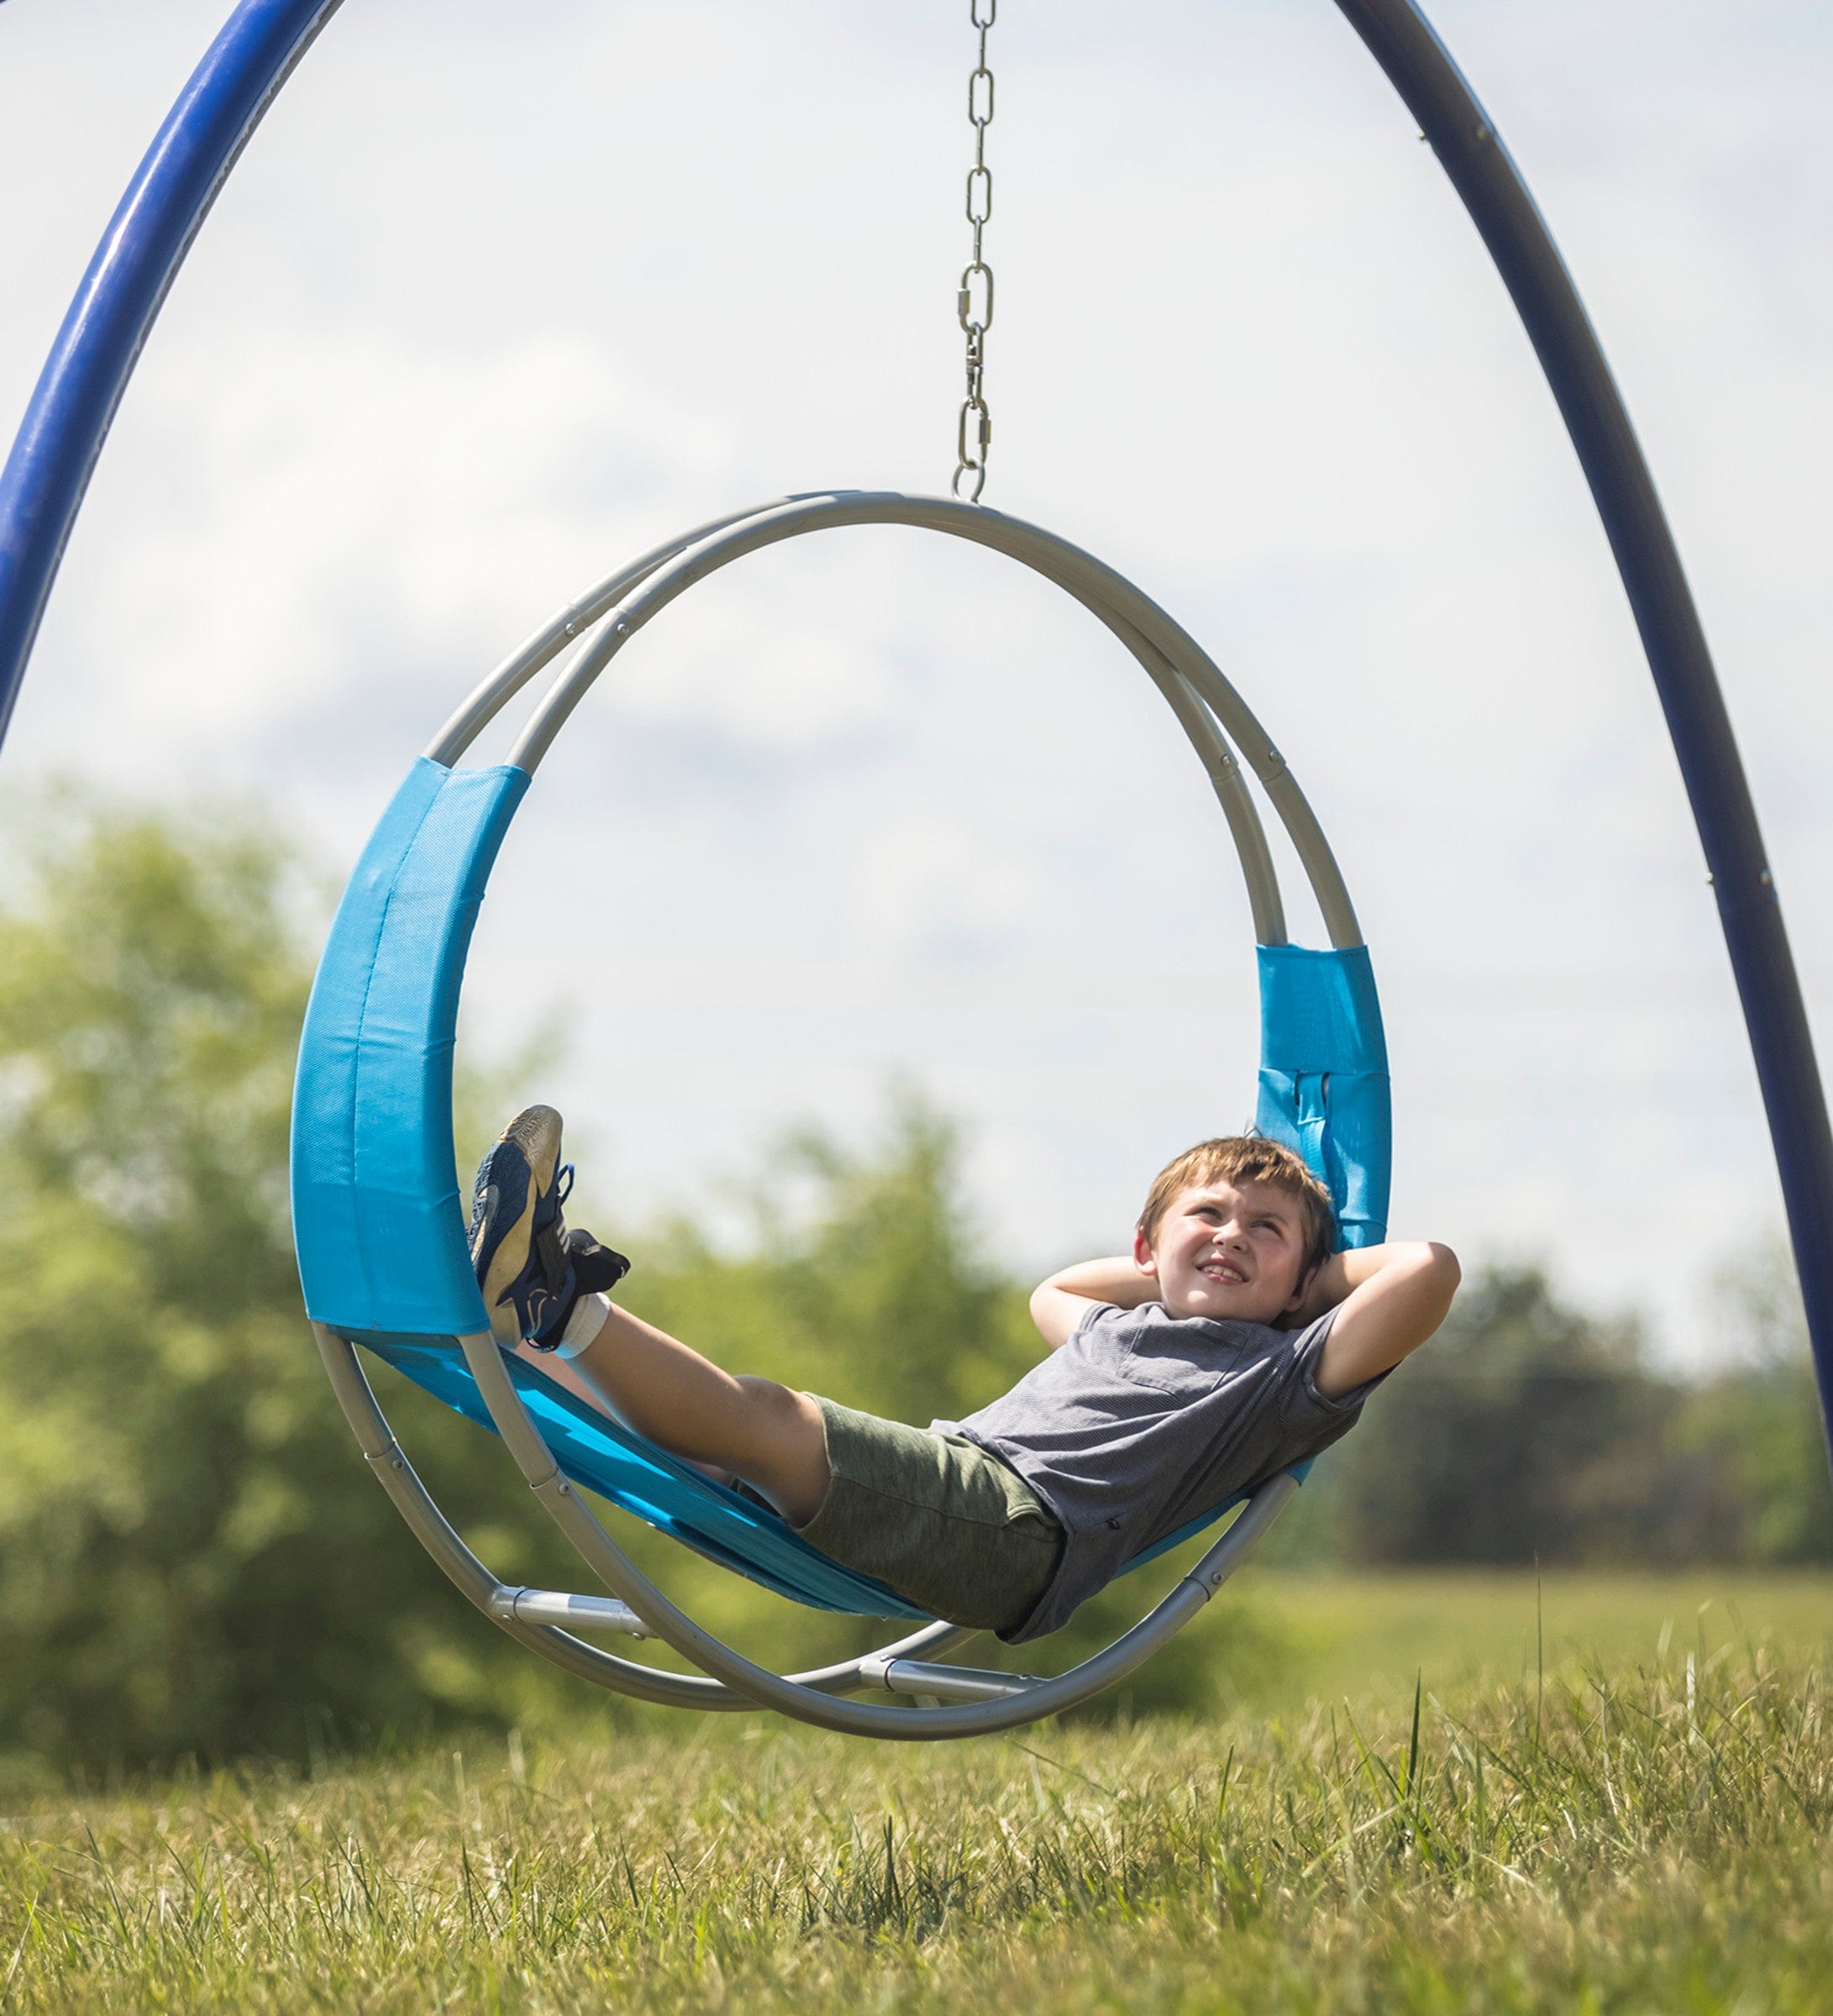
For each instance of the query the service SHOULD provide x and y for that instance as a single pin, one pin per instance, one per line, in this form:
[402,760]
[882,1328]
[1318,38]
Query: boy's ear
[1144,1256]
[1296,1301]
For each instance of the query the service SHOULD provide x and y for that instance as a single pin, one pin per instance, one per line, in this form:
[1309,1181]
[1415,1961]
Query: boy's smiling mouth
[1223,1270]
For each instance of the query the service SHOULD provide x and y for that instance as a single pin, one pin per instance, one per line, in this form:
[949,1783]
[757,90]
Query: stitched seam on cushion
[362,1025]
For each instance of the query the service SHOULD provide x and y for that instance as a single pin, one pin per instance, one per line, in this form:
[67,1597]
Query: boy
[1229,1344]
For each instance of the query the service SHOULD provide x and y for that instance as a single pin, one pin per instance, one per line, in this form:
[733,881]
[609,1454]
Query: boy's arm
[1058,1305]
[1389,1300]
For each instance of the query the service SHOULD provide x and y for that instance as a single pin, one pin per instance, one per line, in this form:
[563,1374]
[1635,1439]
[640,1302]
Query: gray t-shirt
[1143,1421]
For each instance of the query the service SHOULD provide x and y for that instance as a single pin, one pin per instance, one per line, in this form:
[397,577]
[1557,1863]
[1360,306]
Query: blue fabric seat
[379,1224]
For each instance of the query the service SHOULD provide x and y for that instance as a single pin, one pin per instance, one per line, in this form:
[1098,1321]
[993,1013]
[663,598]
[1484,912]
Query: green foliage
[1749,1441]
[860,1278]
[1525,1431]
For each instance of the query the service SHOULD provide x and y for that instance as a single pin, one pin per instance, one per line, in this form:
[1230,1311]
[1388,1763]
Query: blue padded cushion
[377,1226]
[1324,1087]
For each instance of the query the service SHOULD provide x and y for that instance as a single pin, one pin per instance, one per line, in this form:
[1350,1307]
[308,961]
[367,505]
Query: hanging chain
[974,302]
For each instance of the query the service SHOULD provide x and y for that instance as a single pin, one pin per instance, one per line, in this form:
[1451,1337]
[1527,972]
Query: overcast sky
[500,296]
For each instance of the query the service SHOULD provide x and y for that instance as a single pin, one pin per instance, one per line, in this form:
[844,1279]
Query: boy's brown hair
[1239,1158]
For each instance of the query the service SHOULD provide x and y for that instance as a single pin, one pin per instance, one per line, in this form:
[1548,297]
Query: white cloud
[288,529]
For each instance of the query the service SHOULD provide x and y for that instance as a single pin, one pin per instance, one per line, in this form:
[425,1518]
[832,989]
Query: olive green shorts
[950,1527]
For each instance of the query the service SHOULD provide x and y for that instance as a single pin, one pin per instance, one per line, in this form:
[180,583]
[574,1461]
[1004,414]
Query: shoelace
[548,1250]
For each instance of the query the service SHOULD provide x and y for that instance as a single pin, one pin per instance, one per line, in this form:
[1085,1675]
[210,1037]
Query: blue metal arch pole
[73,406]
[42,489]
[1468,148]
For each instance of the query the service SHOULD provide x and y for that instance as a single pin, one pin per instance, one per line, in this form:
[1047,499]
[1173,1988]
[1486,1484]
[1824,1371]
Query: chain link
[973,300]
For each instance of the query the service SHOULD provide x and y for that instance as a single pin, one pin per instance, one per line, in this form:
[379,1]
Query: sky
[498,298]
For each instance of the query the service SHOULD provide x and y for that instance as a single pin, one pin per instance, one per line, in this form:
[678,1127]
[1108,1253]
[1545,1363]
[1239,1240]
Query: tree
[1754,1433]
[1525,1430]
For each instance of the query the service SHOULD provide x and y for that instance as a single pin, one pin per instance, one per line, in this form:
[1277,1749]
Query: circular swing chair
[380,1231]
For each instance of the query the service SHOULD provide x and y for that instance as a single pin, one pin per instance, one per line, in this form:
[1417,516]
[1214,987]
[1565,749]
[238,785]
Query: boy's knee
[778,1410]
[788,1457]
[765,1397]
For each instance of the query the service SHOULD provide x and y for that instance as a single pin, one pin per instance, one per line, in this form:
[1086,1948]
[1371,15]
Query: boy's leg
[769,1435]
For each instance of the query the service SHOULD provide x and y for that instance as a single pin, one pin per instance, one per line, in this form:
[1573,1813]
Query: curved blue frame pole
[41,489]
[1471,152]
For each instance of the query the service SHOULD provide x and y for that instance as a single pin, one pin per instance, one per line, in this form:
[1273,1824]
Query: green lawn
[1642,1827]
[1356,1635]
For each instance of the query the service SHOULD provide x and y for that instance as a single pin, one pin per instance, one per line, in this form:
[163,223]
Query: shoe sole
[535,1135]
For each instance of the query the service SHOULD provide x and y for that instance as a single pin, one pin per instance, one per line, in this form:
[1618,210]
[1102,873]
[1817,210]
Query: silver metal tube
[1211,747]
[484,701]
[919,1677]
[1131,614]
[556,1606]
[845,1677]
[1208,684]
[1295,815]
[622,1577]
[1265,902]
[469,1575]
[1165,667]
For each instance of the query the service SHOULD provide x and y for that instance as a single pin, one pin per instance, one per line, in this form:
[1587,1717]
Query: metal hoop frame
[598,625]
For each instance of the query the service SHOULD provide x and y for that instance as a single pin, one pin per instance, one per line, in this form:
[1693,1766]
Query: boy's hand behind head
[1232,1252]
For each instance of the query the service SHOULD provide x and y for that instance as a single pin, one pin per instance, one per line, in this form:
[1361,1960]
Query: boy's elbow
[1443,1263]
[1441,1274]
[1046,1310]
[1056,1313]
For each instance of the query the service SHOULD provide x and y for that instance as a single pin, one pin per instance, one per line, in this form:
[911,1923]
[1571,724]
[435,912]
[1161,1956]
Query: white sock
[583,1326]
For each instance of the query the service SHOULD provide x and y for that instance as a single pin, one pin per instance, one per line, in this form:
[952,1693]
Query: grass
[1639,1828]
[1367,1635]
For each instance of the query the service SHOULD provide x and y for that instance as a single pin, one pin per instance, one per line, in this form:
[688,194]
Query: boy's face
[1227,1251]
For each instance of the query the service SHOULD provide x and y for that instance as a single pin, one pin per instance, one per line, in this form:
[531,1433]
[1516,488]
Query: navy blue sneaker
[531,1269]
